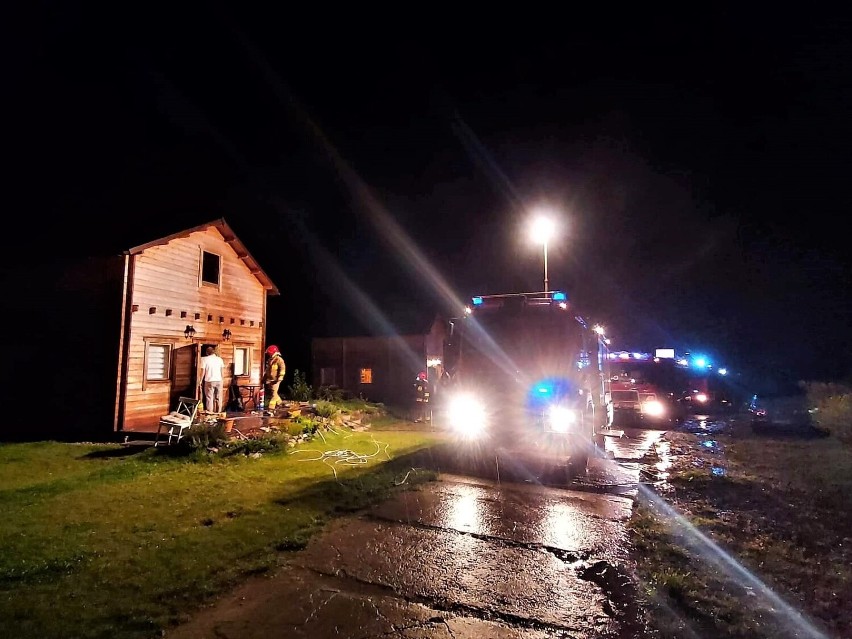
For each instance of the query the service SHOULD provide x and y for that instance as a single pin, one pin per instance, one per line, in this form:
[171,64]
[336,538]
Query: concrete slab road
[459,558]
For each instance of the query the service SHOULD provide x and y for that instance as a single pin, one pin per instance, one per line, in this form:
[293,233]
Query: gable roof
[230,238]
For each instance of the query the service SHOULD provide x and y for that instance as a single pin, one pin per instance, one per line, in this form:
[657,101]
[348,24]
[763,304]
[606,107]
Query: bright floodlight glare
[561,418]
[542,230]
[467,415]
[599,329]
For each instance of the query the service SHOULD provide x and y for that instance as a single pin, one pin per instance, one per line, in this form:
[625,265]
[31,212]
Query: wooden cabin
[120,337]
[380,368]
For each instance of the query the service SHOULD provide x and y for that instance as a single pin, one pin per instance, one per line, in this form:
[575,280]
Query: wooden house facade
[379,368]
[131,329]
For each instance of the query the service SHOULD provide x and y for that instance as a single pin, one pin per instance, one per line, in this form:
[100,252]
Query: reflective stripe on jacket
[275,369]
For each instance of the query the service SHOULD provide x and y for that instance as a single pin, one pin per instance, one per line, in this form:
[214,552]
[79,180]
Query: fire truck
[637,403]
[528,372]
[645,391]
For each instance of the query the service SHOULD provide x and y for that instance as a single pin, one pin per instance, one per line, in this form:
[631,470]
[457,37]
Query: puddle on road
[664,453]
[705,453]
[703,424]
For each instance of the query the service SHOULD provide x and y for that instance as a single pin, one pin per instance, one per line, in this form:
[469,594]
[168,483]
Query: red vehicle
[529,372]
[639,403]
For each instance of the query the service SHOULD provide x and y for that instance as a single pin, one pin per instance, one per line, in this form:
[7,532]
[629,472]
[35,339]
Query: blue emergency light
[559,296]
[477,301]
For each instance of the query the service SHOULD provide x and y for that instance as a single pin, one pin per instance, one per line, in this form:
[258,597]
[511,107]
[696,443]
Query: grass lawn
[760,547]
[105,541]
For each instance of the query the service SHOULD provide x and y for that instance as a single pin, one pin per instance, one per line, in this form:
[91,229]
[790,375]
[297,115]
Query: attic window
[211,266]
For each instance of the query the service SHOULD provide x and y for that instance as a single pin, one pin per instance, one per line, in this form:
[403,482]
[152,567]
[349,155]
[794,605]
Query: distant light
[624,355]
[477,301]
[432,362]
[682,362]
[700,362]
[563,305]
[723,371]
[606,340]
[599,329]
[665,353]
[543,389]
[637,356]
[467,310]
[559,296]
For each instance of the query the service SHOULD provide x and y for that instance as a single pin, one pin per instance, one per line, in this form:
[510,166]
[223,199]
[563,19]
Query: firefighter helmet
[421,375]
[272,350]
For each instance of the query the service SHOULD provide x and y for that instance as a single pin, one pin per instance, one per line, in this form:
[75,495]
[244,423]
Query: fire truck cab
[640,403]
[529,372]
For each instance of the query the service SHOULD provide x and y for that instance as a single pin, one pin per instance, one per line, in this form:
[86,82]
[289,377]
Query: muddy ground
[744,532]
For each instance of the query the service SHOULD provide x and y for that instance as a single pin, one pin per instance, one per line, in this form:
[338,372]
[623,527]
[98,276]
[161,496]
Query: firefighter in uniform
[421,398]
[273,375]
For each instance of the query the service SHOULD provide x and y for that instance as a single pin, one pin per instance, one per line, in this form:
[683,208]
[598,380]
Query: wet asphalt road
[509,549]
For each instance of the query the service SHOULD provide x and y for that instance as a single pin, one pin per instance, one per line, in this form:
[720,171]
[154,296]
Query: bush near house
[300,390]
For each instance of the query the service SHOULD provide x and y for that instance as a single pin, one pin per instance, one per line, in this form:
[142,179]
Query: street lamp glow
[542,230]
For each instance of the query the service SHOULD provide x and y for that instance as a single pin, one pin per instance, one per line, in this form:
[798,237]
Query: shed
[381,368]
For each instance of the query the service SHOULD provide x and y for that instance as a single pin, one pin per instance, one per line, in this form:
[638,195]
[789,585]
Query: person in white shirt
[212,367]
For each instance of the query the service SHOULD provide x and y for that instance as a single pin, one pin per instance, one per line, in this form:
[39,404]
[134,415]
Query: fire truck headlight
[654,408]
[561,419]
[466,415]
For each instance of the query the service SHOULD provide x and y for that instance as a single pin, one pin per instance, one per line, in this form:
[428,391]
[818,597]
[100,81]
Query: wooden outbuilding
[381,368]
[122,335]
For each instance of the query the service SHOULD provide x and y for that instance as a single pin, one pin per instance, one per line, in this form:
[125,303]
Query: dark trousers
[422,411]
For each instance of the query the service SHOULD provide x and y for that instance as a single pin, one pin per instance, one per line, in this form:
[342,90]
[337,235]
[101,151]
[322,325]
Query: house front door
[184,373]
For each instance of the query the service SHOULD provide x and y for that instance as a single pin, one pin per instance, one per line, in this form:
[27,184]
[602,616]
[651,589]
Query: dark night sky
[700,162]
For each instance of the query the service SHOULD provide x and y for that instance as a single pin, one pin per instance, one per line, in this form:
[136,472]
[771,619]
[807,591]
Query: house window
[211,265]
[241,361]
[157,360]
[328,376]
[366,375]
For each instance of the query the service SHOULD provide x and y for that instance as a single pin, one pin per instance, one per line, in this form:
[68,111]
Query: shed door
[184,373]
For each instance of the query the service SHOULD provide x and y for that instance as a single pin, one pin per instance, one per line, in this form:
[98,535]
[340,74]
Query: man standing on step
[211,380]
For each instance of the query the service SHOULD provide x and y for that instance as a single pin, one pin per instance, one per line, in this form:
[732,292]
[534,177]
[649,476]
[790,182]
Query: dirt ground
[740,533]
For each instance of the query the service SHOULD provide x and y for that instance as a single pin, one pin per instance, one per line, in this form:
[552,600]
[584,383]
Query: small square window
[211,265]
[366,375]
